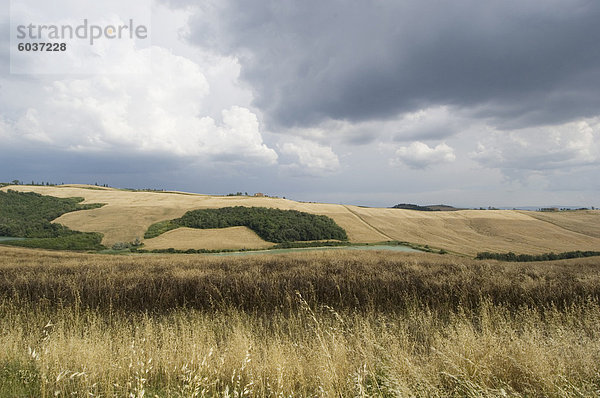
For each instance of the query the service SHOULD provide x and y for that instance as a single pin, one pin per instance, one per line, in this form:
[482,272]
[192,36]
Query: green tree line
[510,256]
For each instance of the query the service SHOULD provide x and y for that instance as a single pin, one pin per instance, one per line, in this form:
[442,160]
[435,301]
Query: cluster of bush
[272,225]
[118,246]
[510,256]
[75,241]
[189,251]
[29,215]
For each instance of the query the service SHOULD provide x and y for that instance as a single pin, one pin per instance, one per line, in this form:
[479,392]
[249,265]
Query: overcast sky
[466,102]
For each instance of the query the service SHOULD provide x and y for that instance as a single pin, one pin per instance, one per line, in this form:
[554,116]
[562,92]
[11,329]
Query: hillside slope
[212,239]
[472,231]
[127,215]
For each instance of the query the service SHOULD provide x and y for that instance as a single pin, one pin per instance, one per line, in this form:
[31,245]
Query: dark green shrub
[510,256]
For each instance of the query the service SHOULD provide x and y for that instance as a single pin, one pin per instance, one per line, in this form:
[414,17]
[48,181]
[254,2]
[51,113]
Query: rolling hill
[127,215]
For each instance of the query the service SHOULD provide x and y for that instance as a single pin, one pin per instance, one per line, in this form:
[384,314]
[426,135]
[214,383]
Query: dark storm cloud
[516,63]
[30,161]
[131,170]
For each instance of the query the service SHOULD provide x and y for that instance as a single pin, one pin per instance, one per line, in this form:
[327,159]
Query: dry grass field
[220,238]
[586,222]
[315,324]
[472,231]
[127,215]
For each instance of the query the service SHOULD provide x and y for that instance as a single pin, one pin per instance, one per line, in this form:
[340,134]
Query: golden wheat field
[127,215]
[316,324]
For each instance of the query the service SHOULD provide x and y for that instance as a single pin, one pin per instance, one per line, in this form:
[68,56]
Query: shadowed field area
[326,324]
[341,279]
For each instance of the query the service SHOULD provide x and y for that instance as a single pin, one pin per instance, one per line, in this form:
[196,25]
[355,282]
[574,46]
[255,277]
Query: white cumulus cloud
[563,147]
[310,157]
[158,110]
[420,156]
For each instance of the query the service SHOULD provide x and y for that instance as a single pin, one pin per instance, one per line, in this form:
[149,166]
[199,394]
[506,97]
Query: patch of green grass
[416,246]
[19,380]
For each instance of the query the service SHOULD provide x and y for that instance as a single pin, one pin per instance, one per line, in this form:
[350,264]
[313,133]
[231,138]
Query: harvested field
[212,239]
[472,231]
[585,222]
[128,214]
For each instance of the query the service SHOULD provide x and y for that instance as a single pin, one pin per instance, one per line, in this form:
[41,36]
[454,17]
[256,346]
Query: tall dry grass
[315,324]
[353,280]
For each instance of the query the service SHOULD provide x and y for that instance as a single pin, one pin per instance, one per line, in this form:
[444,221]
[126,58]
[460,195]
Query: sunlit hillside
[128,214]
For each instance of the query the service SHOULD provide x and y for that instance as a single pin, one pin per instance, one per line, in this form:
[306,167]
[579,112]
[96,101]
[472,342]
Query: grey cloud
[37,161]
[513,62]
[125,169]
[430,124]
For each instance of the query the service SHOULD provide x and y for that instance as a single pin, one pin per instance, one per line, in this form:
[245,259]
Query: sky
[374,102]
